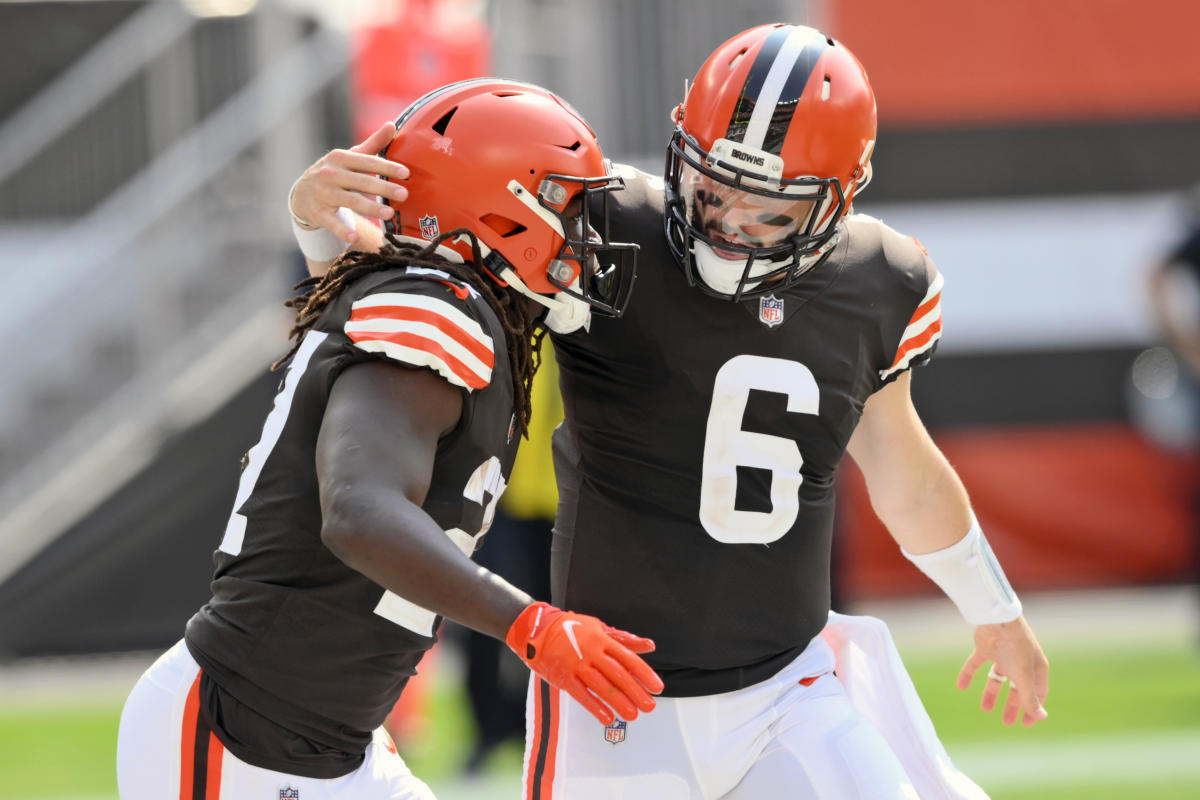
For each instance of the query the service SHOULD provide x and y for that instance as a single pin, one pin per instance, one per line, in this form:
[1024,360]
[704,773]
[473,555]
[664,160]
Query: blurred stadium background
[1041,150]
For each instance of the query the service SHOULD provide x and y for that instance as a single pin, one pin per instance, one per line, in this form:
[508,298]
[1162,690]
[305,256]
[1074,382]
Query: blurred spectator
[517,547]
[1175,292]
[1175,303]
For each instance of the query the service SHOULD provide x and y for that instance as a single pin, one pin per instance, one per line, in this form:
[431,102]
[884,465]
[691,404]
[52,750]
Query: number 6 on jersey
[727,446]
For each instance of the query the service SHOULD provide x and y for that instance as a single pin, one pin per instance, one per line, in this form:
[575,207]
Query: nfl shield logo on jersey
[288,793]
[770,310]
[429,227]
[615,733]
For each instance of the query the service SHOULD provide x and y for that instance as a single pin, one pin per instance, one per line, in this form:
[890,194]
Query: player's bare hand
[1016,660]
[353,179]
[596,664]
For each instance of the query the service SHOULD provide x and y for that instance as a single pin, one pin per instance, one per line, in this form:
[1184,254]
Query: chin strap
[723,275]
[565,314]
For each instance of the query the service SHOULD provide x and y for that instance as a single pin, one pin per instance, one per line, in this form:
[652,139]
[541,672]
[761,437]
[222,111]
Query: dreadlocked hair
[521,332]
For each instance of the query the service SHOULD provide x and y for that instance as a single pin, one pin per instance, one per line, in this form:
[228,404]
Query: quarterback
[772,331]
[390,441]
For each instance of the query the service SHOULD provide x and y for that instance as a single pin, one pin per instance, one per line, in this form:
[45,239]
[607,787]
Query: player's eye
[776,220]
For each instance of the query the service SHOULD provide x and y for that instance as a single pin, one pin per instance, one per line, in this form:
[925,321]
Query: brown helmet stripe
[774,86]
[754,82]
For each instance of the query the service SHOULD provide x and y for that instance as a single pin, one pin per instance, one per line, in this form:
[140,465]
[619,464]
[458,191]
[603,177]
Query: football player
[773,331]
[379,468]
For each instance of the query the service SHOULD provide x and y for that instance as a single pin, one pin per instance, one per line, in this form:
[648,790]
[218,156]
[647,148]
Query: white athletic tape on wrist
[969,574]
[320,244]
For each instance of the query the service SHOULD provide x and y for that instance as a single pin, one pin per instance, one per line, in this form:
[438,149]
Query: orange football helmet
[519,168]
[771,145]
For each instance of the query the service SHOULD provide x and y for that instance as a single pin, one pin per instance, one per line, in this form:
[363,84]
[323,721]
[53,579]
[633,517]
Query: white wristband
[968,572]
[317,244]
[320,244]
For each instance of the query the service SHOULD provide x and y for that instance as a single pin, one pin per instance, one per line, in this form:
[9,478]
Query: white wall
[1046,272]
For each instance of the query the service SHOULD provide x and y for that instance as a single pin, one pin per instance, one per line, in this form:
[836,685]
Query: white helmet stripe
[776,80]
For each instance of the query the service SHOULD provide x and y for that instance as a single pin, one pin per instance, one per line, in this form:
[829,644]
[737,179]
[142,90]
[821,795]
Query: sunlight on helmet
[495,167]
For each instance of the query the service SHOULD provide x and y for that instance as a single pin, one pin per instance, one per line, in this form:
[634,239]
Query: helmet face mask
[589,266]
[770,146]
[509,167]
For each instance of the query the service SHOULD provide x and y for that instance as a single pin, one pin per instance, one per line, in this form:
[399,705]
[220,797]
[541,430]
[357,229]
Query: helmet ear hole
[503,226]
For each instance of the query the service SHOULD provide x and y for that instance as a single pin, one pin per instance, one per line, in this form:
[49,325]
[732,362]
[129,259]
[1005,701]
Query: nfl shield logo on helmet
[615,733]
[288,793]
[770,310]
[429,227]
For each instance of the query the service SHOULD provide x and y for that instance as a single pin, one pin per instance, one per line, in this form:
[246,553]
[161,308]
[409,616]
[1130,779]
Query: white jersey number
[235,528]
[484,487]
[727,446]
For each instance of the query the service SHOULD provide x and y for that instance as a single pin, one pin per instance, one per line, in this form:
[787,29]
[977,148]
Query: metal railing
[117,311]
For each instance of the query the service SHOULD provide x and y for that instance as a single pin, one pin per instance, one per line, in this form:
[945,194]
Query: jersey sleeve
[425,323]
[922,286]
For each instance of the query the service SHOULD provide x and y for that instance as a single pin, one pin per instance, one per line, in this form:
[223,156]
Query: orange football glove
[593,662]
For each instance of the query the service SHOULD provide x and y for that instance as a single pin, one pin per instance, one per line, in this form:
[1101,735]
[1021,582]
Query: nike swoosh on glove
[595,663]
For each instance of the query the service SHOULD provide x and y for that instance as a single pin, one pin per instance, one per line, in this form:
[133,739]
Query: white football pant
[165,750]
[795,735]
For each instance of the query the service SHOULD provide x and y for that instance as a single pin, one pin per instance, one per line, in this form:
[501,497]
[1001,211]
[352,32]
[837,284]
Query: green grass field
[1124,722]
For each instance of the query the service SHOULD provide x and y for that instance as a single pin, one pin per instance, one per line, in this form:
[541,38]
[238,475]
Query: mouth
[728,255]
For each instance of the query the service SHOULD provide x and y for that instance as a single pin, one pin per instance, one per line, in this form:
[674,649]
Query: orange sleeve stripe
[917,341]
[412,340]
[925,307]
[409,314]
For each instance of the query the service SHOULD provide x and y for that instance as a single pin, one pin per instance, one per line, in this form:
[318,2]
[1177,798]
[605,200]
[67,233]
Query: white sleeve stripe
[910,355]
[444,276]
[934,288]
[916,327]
[433,304]
[360,331]
[423,358]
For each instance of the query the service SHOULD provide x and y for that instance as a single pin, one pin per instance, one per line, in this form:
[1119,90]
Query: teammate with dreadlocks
[379,467]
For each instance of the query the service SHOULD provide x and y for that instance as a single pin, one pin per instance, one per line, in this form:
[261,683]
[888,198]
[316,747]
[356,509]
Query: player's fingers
[1012,706]
[625,682]
[607,693]
[331,185]
[639,669]
[371,184]
[369,161]
[315,199]
[363,173]
[379,139]
[967,674]
[574,687]
[1030,700]
[366,206]
[1031,718]
[329,220]
[1029,692]
[638,644]
[991,691]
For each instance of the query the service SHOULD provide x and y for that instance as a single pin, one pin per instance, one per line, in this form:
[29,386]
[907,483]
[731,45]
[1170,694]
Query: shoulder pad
[422,329]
